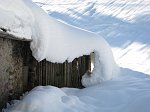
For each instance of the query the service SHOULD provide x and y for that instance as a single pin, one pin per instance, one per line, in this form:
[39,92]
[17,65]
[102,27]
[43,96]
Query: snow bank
[55,41]
[130,92]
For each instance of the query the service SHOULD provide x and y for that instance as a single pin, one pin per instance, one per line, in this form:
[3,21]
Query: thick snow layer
[16,18]
[55,41]
[130,92]
[123,23]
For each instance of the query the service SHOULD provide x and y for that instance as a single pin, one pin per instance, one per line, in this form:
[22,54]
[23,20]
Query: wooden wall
[60,75]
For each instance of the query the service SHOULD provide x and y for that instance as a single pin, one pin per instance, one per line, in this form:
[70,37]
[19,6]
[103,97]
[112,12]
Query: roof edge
[5,34]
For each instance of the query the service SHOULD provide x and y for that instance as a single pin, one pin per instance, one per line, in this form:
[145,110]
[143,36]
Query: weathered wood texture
[11,69]
[60,75]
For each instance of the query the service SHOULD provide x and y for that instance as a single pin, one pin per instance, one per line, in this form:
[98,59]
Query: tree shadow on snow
[116,31]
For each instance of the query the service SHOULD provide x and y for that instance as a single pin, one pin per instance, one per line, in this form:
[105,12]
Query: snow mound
[48,98]
[123,23]
[130,92]
[56,41]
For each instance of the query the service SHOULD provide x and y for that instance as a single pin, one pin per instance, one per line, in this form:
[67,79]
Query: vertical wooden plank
[41,73]
[67,70]
[39,64]
[65,74]
[57,75]
[45,72]
[79,71]
[51,74]
[64,68]
[48,73]
[40,67]
[52,83]
[67,64]
[75,73]
[62,73]
[70,72]
[53,78]
[37,73]
[61,77]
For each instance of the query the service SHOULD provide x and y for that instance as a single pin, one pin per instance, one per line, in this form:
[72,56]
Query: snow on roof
[55,41]
[16,18]
[5,34]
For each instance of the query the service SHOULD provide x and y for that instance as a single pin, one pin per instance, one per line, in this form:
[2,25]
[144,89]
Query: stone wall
[11,69]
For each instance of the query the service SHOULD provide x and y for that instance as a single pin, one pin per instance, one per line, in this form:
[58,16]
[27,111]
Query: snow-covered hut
[53,42]
[20,71]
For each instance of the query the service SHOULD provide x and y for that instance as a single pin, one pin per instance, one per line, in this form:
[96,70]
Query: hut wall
[13,73]
[60,75]
[20,72]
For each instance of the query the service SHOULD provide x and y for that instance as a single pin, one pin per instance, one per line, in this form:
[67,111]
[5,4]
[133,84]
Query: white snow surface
[56,41]
[16,18]
[130,92]
[123,23]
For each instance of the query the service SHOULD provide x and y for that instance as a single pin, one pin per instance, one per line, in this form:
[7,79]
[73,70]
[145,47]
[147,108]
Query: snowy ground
[125,25]
[130,92]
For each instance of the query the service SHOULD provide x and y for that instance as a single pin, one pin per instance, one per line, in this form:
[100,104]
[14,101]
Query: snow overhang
[6,34]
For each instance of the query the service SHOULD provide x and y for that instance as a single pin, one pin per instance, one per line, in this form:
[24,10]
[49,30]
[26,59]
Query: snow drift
[55,41]
[130,92]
